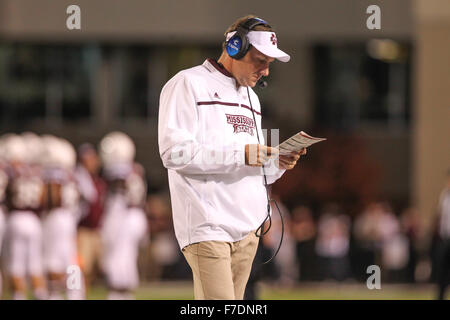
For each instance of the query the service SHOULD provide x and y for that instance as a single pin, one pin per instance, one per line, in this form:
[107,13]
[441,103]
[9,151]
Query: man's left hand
[289,161]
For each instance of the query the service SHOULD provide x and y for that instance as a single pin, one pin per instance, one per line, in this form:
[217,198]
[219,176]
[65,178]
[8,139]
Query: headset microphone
[262,84]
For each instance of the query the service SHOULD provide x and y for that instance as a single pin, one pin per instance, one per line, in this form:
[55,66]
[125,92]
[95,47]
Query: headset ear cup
[238,45]
[234,46]
[244,48]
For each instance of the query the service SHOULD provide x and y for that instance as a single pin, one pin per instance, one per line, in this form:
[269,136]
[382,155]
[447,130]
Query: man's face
[91,161]
[248,70]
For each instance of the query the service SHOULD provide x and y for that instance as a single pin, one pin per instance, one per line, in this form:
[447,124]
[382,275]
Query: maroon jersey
[3,183]
[94,207]
[25,188]
[68,195]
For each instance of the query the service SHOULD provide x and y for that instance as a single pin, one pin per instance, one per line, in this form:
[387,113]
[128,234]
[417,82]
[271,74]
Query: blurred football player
[92,188]
[3,185]
[60,221]
[24,196]
[125,224]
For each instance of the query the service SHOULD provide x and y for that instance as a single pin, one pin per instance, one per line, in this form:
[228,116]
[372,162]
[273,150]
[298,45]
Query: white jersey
[24,244]
[127,179]
[204,124]
[60,222]
[60,235]
[123,230]
[23,235]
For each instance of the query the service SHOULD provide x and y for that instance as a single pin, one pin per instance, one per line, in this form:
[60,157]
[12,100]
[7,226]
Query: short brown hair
[234,26]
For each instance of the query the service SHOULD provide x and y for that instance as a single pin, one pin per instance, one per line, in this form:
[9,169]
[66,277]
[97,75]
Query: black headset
[238,45]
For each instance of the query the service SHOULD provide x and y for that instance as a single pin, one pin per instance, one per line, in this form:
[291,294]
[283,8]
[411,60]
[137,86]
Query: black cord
[268,217]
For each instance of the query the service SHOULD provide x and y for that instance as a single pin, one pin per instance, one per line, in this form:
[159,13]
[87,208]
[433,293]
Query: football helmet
[116,147]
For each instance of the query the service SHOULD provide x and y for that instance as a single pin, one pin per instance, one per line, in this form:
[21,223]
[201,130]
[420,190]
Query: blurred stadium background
[366,196]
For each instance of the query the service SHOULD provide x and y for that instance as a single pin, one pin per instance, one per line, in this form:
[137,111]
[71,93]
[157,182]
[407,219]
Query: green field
[314,291]
[309,291]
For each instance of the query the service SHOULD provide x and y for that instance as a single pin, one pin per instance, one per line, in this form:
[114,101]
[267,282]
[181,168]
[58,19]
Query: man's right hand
[257,155]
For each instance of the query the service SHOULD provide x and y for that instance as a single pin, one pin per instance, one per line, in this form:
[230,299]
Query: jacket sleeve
[178,125]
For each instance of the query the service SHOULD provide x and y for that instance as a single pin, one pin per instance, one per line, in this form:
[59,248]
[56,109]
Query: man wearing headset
[211,142]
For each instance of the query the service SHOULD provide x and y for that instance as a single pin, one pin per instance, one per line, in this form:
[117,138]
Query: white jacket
[204,124]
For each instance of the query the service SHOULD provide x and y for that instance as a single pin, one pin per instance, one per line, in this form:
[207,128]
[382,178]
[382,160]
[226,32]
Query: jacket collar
[220,72]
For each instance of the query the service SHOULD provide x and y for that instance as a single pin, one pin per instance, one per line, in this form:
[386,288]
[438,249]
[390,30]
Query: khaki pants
[221,269]
[89,249]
